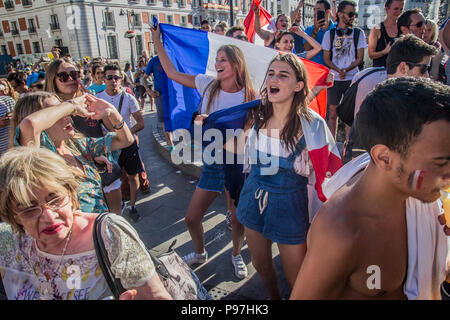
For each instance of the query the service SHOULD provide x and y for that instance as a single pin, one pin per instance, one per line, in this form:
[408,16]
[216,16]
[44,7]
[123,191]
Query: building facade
[30,28]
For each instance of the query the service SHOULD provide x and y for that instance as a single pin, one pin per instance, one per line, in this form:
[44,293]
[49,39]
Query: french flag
[194,52]
[249,22]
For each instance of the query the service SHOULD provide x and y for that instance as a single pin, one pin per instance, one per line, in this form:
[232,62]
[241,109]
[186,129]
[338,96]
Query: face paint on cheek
[415,179]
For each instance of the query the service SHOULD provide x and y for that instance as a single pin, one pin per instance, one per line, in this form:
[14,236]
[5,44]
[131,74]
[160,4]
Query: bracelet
[119,126]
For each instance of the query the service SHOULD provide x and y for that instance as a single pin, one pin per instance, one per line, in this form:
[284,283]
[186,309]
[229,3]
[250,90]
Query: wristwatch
[119,126]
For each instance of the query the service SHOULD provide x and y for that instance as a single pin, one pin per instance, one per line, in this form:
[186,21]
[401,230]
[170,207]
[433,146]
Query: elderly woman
[42,120]
[47,248]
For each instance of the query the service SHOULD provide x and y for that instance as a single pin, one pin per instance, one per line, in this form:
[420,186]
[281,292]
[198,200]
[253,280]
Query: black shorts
[140,92]
[130,159]
[336,92]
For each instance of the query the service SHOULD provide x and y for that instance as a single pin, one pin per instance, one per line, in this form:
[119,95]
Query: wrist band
[119,126]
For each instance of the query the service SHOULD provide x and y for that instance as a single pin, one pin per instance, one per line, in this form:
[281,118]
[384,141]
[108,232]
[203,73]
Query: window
[136,20]
[27,3]
[4,49]
[196,21]
[36,47]
[182,3]
[194,4]
[183,20]
[139,44]
[19,48]
[54,23]
[109,19]
[31,26]
[169,19]
[14,30]
[151,2]
[112,47]
[59,43]
[167,3]
[9,4]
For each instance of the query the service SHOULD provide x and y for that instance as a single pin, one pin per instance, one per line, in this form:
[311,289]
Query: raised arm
[185,79]
[296,16]
[34,124]
[267,36]
[316,47]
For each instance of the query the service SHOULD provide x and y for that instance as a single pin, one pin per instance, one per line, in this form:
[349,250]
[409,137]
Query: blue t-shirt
[319,57]
[96,88]
[154,66]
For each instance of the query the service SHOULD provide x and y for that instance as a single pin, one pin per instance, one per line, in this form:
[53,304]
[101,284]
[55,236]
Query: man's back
[367,84]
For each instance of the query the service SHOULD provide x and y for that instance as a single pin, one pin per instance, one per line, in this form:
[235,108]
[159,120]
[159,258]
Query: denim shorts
[284,220]
[212,178]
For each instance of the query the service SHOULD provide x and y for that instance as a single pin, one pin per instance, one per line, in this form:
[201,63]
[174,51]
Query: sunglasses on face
[351,14]
[64,76]
[241,37]
[418,24]
[423,67]
[113,77]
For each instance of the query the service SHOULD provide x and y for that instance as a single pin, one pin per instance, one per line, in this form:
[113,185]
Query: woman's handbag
[178,279]
[108,178]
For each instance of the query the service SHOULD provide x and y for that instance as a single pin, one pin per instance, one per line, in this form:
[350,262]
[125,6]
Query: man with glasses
[237,32]
[128,107]
[205,26]
[409,56]
[412,21]
[343,51]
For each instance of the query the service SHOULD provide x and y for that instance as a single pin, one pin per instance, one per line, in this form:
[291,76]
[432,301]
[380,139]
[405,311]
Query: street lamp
[129,13]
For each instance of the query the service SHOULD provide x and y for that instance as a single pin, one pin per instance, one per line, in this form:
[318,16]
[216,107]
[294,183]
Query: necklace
[47,286]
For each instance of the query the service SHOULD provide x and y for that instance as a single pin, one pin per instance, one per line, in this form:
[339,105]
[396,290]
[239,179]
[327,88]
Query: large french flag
[194,52]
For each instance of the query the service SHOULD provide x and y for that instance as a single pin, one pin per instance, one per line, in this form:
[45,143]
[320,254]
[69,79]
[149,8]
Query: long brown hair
[11,92]
[262,114]
[242,77]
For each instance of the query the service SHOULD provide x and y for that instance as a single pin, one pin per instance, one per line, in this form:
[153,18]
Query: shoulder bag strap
[121,101]
[103,260]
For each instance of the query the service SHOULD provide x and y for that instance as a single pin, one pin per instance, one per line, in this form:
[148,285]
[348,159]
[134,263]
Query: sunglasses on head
[110,77]
[64,76]
[423,67]
[418,24]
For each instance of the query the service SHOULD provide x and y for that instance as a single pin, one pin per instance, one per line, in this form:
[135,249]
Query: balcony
[32,30]
[151,2]
[9,5]
[167,3]
[14,32]
[181,3]
[27,3]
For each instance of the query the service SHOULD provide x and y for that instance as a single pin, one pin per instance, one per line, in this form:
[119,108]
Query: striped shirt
[6,106]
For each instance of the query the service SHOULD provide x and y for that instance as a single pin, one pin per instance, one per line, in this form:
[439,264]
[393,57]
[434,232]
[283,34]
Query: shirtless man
[364,223]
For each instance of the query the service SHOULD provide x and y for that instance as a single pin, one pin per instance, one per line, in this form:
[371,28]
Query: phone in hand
[320,15]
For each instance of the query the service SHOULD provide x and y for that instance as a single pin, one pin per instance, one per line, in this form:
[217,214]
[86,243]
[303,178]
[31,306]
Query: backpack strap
[121,101]
[332,36]
[356,33]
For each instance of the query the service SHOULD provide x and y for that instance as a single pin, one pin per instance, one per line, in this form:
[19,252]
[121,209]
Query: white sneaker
[195,258]
[240,269]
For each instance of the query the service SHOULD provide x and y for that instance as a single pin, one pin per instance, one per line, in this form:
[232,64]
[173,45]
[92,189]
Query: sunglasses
[418,24]
[241,37]
[351,14]
[38,86]
[113,77]
[64,76]
[423,67]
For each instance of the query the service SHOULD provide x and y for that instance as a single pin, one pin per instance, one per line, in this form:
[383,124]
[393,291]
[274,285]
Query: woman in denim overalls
[273,204]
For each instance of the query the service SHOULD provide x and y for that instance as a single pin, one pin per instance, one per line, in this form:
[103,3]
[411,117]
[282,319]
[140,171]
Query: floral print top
[90,191]
[31,274]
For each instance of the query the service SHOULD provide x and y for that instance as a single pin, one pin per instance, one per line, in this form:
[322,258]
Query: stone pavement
[162,222]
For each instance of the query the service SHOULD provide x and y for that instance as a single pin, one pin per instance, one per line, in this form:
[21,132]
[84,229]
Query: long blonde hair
[242,77]
[23,170]
[11,92]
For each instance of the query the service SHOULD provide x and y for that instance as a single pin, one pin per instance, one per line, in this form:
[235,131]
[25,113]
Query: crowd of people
[85,117]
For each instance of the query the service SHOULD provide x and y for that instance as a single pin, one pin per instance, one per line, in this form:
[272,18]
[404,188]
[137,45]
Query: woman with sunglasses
[64,78]
[231,86]
[47,250]
[40,119]
[382,36]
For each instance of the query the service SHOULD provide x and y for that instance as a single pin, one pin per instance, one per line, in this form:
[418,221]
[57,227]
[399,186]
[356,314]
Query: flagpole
[231,14]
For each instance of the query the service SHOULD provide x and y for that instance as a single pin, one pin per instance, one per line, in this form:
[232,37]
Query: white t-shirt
[129,104]
[367,85]
[223,100]
[344,56]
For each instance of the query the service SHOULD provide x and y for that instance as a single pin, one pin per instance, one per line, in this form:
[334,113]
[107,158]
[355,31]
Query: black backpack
[356,33]
[346,109]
